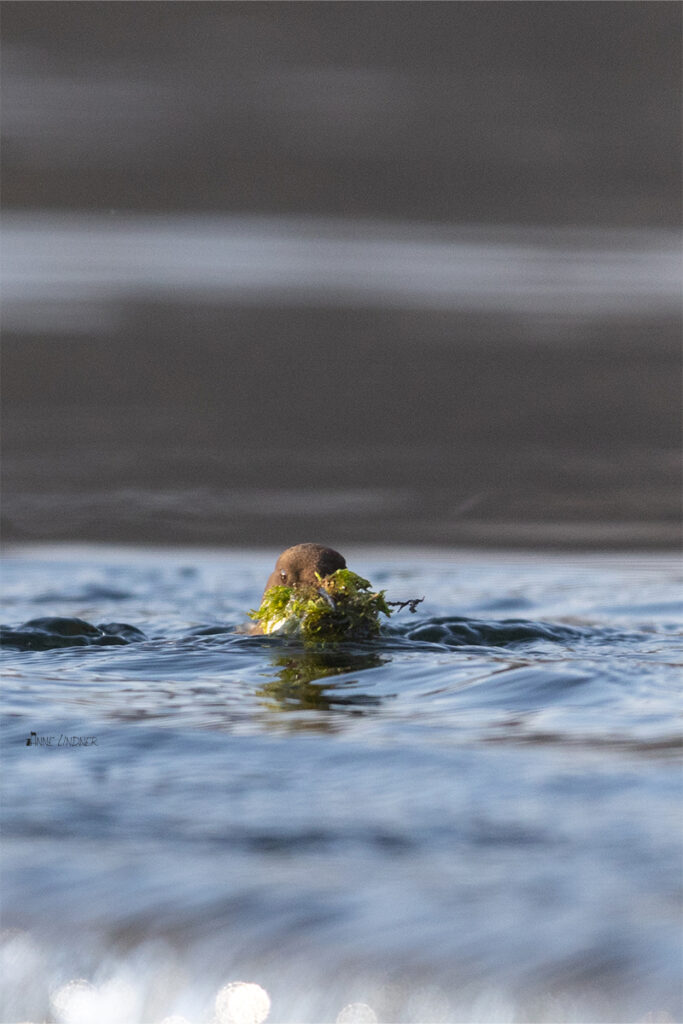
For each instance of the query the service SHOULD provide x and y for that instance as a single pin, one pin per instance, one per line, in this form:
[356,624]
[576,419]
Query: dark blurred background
[384,272]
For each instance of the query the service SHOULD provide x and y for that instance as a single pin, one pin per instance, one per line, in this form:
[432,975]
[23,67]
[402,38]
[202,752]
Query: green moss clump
[343,607]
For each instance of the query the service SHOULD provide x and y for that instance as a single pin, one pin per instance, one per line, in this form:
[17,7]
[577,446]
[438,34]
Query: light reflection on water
[465,821]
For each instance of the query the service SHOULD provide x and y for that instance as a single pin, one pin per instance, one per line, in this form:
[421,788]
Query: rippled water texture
[473,818]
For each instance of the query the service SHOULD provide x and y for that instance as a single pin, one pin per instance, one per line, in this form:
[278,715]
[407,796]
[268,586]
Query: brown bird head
[297,566]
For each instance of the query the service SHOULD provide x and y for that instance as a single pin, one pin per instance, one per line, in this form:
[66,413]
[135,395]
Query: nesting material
[342,606]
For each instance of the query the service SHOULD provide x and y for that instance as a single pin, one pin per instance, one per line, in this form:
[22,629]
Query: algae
[342,607]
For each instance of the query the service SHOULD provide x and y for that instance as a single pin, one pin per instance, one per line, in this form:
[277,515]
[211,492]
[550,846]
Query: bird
[304,565]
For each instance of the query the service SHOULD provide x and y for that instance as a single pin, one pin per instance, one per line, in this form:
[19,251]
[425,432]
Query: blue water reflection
[465,814]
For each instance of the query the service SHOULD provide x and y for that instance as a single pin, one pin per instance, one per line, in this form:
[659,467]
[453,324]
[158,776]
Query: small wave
[458,632]
[52,632]
[440,631]
[90,592]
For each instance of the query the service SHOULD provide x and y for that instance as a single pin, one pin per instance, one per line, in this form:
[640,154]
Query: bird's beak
[323,593]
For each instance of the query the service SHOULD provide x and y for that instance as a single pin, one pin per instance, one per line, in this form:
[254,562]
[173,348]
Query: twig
[412,604]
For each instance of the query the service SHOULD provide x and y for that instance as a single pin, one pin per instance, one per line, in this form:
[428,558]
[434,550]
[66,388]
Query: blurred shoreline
[571,539]
[264,381]
[395,272]
[494,112]
[76,271]
[136,409]
[212,465]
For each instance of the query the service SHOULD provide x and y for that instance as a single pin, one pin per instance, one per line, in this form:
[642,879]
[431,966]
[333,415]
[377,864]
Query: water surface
[473,818]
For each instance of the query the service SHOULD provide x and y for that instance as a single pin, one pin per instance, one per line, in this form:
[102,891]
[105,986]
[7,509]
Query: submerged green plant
[343,607]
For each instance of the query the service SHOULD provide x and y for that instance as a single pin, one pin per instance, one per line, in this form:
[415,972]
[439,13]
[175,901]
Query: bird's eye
[283,575]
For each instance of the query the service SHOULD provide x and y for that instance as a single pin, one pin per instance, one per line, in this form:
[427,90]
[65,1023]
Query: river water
[474,818]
